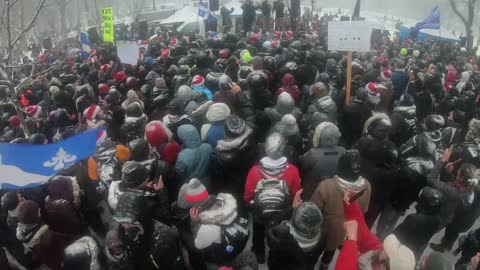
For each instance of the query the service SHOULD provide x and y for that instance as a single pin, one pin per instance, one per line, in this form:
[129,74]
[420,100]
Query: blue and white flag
[27,165]
[431,22]
[203,10]
[85,43]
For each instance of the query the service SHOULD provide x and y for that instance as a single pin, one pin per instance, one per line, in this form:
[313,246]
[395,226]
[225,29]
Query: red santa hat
[173,42]
[386,75]
[33,111]
[104,68]
[197,81]
[372,89]
[165,53]
[91,113]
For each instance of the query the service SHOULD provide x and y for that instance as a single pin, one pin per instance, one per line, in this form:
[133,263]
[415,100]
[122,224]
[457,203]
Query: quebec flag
[85,43]
[26,165]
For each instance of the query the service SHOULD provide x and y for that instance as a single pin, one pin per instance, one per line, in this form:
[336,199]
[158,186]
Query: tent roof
[187,13]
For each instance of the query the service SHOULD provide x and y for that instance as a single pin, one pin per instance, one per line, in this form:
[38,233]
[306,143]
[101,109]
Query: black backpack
[271,198]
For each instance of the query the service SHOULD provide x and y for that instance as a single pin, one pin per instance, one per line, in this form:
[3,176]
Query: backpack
[271,197]
[235,237]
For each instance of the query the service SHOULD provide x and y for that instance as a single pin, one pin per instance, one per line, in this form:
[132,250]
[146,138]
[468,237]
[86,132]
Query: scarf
[25,232]
[345,185]
[273,167]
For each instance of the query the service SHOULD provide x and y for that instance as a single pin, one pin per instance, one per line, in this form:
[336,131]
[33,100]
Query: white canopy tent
[185,14]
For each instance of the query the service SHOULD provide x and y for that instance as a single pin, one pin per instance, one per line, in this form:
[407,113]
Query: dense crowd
[206,142]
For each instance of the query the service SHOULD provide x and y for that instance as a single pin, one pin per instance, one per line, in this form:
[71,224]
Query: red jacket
[290,175]
[366,240]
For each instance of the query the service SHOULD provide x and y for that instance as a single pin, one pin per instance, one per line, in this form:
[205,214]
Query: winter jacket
[416,230]
[290,175]
[288,86]
[164,251]
[212,133]
[231,159]
[366,240]
[47,247]
[399,81]
[329,198]
[62,217]
[325,105]
[404,124]
[193,161]
[227,97]
[203,89]
[285,252]
[133,128]
[353,119]
[442,138]
[246,108]
[455,198]
[378,163]
[316,165]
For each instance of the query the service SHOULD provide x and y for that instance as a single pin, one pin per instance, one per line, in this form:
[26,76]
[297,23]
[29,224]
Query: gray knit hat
[307,220]
[326,134]
[133,174]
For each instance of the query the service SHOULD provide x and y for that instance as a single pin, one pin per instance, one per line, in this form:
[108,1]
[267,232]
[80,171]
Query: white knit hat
[400,256]
[218,112]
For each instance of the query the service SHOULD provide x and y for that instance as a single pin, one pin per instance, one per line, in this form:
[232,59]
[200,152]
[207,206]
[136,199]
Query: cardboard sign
[128,52]
[352,36]
[108,29]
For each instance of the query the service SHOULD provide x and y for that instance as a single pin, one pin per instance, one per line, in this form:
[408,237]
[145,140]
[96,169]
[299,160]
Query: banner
[108,30]
[27,165]
[431,22]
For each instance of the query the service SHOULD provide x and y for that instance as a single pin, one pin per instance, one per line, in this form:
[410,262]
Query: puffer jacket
[404,124]
[325,105]
[133,128]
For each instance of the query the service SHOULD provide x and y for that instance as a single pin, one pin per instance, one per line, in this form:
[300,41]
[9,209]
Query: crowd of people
[207,143]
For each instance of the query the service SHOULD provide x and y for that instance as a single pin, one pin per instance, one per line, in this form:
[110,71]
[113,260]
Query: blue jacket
[194,158]
[215,133]
[205,90]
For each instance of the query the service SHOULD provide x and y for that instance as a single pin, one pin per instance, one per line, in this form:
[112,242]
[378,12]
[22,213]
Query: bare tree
[467,19]
[136,7]
[13,37]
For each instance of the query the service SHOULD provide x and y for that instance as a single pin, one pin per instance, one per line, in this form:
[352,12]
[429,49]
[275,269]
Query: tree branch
[30,25]
[459,14]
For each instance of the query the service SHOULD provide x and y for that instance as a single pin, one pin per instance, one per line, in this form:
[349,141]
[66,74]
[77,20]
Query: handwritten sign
[108,30]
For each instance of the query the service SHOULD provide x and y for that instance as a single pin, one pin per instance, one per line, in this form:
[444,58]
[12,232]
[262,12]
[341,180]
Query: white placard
[349,36]
[128,52]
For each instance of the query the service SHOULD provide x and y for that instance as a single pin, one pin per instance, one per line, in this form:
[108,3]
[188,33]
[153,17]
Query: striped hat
[196,191]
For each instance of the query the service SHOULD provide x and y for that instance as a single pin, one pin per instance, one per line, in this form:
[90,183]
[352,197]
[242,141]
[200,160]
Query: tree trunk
[154,5]
[469,44]
[61,15]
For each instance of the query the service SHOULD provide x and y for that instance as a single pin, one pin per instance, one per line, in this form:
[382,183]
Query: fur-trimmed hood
[239,142]
[222,212]
[370,120]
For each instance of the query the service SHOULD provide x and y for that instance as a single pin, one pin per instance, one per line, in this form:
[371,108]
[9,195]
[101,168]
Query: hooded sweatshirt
[288,85]
[194,159]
